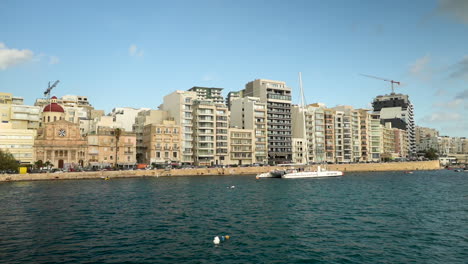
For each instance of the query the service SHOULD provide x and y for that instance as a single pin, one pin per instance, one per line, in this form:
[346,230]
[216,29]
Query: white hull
[312,174]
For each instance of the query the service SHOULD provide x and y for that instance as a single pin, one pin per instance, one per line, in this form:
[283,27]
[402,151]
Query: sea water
[388,217]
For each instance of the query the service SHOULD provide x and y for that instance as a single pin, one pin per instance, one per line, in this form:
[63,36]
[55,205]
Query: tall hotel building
[398,110]
[277,96]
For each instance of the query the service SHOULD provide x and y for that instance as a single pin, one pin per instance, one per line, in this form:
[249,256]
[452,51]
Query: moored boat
[312,174]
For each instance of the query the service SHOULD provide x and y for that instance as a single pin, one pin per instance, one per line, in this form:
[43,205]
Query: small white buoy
[216,240]
[232,187]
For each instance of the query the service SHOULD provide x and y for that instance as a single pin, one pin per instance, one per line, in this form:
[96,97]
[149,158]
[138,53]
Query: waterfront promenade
[355,167]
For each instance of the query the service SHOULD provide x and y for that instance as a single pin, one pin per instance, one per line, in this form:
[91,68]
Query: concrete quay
[356,167]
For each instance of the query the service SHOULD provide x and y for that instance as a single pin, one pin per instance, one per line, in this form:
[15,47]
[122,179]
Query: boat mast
[302,109]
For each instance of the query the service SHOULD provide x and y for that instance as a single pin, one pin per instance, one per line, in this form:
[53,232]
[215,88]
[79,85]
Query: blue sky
[132,53]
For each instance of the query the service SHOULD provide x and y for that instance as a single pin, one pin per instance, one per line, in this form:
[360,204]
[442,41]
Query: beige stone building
[162,143]
[241,146]
[142,119]
[103,148]
[18,142]
[61,143]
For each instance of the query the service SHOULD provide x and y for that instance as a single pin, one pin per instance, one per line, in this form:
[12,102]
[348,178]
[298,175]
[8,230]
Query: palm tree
[117,133]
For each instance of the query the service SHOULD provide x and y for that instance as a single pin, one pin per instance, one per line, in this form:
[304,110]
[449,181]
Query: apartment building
[215,94]
[401,142]
[221,134]
[162,143]
[347,134]
[364,127]
[204,132]
[329,115]
[277,96]
[399,111]
[375,138]
[231,97]
[241,146]
[179,105]
[106,148]
[14,111]
[125,116]
[142,119]
[388,137]
[19,142]
[250,113]
[299,150]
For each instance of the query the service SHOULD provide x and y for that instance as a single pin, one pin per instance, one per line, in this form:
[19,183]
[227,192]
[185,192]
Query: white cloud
[134,51]
[456,9]
[54,60]
[442,117]
[11,57]
[420,68]
[455,103]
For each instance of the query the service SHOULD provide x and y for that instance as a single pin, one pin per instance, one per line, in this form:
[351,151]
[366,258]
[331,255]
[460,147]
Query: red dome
[53,107]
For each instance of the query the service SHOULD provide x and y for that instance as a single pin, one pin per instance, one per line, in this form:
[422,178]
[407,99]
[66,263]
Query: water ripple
[360,218]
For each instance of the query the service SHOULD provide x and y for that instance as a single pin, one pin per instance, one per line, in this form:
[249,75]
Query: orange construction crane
[383,79]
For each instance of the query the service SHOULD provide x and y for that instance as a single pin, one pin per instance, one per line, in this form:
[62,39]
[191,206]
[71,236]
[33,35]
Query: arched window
[48,119]
[55,118]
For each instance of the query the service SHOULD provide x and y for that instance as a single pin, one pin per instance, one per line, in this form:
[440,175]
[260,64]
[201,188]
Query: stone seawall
[358,167]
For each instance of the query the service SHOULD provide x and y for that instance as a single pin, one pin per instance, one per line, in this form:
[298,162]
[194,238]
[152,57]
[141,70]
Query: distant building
[398,110]
[215,94]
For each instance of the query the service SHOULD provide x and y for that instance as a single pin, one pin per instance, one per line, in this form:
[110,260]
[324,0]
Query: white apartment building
[250,113]
[347,134]
[179,105]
